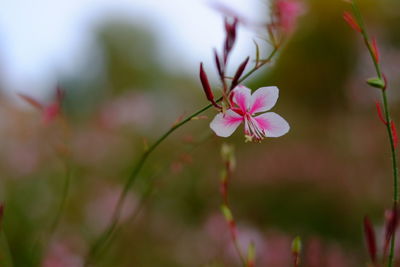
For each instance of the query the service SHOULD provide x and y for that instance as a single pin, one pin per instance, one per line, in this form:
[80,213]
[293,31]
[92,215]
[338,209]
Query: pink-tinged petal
[241,97]
[272,124]
[225,124]
[263,99]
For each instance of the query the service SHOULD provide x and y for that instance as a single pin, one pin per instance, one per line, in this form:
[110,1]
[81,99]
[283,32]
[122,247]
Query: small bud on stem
[239,73]
[351,21]
[251,255]
[207,87]
[370,239]
[296,250]
[375,50]
[380,114]
[390,227]
[230,29]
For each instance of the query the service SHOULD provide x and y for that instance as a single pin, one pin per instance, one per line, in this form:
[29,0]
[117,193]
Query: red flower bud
[370,240]
[351,21]
[390,227]
[206,86]
[375,50]
[1,214]
[205,83]
[239,73]
[230,29]
[380,114]
[1,211]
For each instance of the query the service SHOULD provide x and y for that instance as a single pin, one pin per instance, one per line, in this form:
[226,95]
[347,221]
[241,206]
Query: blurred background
[129,70]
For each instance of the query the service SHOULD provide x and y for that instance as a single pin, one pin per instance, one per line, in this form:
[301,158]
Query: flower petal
[272,124]
[263,99]
[241,97]
[225,124]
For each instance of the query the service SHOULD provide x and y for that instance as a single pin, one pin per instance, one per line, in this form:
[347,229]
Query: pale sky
[39,37]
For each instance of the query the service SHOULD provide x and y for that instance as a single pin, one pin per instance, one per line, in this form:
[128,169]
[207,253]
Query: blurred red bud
[380,114]
[375,50]
[239,73]
[232,227]
[370,239]
[390,227]
[60,93]
[230,29]
[351,21]
[1,211]
[206,86]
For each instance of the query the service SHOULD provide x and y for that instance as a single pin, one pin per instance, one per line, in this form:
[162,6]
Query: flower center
[252,130]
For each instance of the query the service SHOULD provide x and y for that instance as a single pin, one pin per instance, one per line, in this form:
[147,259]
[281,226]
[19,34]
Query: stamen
[252,131]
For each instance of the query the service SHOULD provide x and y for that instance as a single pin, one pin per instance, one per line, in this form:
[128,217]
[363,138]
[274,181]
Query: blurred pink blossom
[132,110]
[60,255]
[100,210]
[288,12]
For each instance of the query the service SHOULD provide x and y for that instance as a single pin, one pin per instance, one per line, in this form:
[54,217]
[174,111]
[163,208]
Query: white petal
[272,124]
[225,124]
[263,99]
[242,97]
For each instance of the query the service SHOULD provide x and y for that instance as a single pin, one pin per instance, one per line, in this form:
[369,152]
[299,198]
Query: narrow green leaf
[376,82]
[257,53]
[227,213]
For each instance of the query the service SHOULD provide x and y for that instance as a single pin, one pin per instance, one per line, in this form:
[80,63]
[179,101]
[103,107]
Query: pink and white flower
[246,107]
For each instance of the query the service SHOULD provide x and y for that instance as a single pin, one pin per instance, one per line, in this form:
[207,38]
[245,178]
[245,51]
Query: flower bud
[380,114]
[296,250]
[370,239]
[228,155]
[239,73]
[227,213]
[230,29]
[375,50]
[1,211]
[251,255]
[390,227]
[351,21]
[206,86]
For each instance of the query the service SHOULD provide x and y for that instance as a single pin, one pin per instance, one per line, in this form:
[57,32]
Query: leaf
[376,82]
[257,52]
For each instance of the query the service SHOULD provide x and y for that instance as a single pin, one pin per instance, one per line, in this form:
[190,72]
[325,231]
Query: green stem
[388,122]
[132,177]
[99,243]
[63,200]
[5,254]
[144,198]
[59,212]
